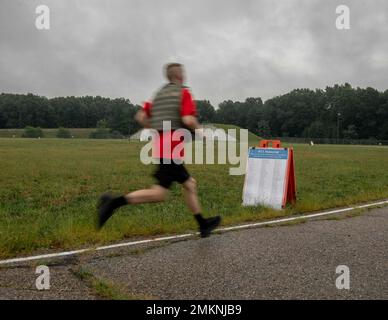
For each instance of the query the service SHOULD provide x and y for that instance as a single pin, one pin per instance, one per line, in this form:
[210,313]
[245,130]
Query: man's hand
[190,122]
[142,119]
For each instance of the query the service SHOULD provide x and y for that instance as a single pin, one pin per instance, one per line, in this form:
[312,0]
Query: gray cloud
[232,49]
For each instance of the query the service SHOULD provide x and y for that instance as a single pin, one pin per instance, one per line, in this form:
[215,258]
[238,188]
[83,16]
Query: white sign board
[265,180]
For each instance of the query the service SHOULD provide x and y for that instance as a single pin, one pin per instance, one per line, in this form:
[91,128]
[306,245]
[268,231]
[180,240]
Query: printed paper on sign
[265,180]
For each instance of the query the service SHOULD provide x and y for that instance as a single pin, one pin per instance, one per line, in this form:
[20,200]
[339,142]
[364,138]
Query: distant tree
[102,131]
[31,132]
[317,129]
[102,124]
[227,112]
[63,133]
[252,110]
[263,129]
[121,118]
[383,132]
[350,132]
[206,112]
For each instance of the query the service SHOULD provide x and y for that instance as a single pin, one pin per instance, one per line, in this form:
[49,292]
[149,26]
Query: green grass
[352,214]
[288,223]
[49,190]
[104,289]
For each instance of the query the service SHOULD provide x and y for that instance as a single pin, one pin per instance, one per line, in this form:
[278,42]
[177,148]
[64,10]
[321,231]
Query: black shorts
[167,173]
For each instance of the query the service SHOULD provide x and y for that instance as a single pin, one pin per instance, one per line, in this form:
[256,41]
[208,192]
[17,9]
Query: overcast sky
[232,49]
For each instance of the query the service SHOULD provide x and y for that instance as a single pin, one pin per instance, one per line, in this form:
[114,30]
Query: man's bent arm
[142,118]
[191,122]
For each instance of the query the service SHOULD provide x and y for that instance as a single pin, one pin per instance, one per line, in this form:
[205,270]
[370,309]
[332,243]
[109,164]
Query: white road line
[187,235]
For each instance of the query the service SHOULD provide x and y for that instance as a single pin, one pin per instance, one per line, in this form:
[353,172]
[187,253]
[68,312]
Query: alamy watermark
[42,20]
[230,148]
[43,280]
[343,20]
[343,280]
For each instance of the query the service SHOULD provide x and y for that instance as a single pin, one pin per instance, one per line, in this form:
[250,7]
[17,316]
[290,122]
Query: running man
[174,103]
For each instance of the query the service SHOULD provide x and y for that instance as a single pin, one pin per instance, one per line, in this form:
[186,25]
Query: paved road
[282,262]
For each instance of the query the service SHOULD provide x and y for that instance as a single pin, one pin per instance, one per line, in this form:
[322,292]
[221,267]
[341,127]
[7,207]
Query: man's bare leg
[109,204]
[158,193]
[155,194]
[206,226]
[191,197]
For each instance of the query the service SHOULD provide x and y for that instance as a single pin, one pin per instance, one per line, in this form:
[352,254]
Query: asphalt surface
[281,262]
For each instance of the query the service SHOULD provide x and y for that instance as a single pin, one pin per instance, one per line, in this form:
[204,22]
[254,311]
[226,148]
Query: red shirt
[188,108]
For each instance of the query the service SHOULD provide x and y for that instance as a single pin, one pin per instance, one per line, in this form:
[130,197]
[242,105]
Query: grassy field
[49,190]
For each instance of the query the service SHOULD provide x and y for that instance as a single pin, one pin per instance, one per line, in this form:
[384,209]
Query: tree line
[20,111]
[340,111]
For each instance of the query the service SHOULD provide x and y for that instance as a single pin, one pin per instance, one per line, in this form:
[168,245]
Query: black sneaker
[105,209]
[209,225]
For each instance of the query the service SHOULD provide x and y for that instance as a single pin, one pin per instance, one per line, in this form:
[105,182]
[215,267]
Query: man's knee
[190,185]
